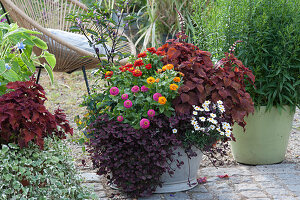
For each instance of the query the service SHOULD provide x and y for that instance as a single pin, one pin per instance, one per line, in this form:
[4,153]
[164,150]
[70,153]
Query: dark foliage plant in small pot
[167,97]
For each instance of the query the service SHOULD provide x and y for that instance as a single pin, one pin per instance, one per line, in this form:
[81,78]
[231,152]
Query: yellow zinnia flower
[164,68]
[173,87]
[150,80]
[162,100]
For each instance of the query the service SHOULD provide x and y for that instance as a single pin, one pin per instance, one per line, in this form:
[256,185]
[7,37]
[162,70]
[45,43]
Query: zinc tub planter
[185,177]
[265,139]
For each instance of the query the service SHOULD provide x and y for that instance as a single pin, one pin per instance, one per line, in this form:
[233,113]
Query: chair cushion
[77,40]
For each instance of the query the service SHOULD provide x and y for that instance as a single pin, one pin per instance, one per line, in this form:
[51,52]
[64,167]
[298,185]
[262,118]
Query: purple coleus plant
[132,159]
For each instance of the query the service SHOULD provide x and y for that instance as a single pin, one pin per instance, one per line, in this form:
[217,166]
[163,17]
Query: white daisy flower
[228,131]
[207,102]
[197,128]
[213,115]
[219,129]
[227,134]
[214,121]
[194,123]
[197,108]
[193,106]
[195,113]
[174,130]
[219,102]
[201,109]
[202,119]
[206,109]
[210,120]
[214,106]
[202,129]
[222,133]
[221,108]
[211,127]
[193,118]
[225,125]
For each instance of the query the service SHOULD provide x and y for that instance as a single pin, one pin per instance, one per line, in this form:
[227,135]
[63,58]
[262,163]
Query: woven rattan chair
[41,15]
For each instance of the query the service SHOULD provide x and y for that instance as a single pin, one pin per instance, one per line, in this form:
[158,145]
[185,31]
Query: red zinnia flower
[142,55]
[137,73]
[123,69]
[128,65]
[131,69]
[160,53]
[138,63]
[148,66]
[152,50]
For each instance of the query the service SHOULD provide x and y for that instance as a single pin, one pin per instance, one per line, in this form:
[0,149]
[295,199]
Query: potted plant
[165,103]
[271,34]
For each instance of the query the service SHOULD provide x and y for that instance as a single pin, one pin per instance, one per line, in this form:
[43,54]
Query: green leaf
[49,71]
[28,62]
[11,76]
[40,43]
[50,59]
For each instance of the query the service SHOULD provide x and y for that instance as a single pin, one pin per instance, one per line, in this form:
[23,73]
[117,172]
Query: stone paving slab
[265,182]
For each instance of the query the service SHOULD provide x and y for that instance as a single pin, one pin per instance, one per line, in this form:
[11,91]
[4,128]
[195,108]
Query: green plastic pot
[265,139]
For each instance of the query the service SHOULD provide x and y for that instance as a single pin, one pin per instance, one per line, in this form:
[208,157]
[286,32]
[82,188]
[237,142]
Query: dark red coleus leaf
[203,81]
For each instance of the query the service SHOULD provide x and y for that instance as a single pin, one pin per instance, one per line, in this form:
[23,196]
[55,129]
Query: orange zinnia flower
[169,66]
[173,87]
[181,74]
[157,80]
[176,79]
[159,70]
[150,80]
[164,68]
[162,100]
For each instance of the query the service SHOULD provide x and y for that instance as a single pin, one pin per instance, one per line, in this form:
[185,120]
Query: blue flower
[20,45]
[7,66]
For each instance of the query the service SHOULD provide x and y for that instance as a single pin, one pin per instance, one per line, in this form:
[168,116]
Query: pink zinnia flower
[124,96]
[127,104]
[156,96]
[114,91]
[144,89]
[151,113]
[135,89]
[120,118]
[144,123]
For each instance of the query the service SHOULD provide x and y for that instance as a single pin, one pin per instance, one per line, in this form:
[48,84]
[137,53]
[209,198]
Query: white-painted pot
[185,177]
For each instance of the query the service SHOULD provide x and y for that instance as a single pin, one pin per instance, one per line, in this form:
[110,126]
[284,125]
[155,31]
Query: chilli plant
[17,61]
[103,25]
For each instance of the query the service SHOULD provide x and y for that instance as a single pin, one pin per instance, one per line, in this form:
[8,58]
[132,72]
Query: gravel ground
[67,92]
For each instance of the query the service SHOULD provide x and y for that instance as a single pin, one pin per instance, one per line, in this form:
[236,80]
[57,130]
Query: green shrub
[271,49]
[31,173]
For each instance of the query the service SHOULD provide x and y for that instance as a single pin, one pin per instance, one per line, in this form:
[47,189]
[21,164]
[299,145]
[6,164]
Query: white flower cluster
[205,120]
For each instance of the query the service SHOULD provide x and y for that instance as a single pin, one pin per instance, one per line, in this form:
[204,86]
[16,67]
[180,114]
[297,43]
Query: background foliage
[271,49]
